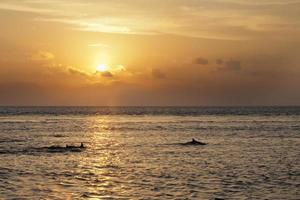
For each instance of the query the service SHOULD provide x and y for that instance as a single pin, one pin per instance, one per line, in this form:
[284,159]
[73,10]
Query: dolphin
[66,148]
[194,143]
[75,147]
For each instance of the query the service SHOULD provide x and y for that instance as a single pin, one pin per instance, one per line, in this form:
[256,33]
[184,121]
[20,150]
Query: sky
[149,53]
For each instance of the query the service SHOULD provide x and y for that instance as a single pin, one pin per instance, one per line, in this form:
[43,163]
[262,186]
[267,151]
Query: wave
[174,111]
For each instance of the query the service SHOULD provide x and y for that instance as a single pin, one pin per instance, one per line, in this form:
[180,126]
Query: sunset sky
[149,52]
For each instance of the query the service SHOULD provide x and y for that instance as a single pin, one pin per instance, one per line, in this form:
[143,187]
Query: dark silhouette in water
[54,147]
[66,148]
[194,142]
[75,147]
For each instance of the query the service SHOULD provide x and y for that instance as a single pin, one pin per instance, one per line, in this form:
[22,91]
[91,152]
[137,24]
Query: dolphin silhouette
[194,142]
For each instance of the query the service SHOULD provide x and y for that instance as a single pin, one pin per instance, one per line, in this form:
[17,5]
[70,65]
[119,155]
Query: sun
[101,68]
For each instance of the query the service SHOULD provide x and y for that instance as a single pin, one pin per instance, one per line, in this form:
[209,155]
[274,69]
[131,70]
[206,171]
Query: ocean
[138,153]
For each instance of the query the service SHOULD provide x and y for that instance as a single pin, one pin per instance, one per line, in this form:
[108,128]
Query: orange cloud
[42,56]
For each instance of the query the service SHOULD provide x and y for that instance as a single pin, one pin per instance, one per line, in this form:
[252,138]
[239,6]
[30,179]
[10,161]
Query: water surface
[134,153]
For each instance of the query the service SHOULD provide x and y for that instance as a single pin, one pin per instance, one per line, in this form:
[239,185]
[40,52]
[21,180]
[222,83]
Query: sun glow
[101,68]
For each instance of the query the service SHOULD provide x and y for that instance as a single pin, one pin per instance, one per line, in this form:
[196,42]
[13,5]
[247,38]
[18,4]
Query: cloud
[74,71]
[219,61]
[120,68]
[229,65]
[233,65]
[107,74]
[66,74]
[201,61]
[99,45]
[226,19]
[42,56]
[156,73]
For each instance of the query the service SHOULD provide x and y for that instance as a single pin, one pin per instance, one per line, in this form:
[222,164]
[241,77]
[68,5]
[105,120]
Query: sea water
[136,153]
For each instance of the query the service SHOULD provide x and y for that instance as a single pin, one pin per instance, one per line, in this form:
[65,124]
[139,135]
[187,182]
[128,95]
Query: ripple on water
[247,157]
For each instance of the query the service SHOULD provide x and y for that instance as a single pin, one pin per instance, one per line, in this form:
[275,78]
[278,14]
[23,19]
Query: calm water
[134,153]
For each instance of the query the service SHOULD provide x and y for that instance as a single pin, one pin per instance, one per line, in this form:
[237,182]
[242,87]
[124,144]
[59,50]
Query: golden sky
[149,52]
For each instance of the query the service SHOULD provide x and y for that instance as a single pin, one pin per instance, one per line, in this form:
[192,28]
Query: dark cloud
[229,65]
[201,61]
[156,73]
[74,71]
[219,61]
[107,74]
[233,65]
